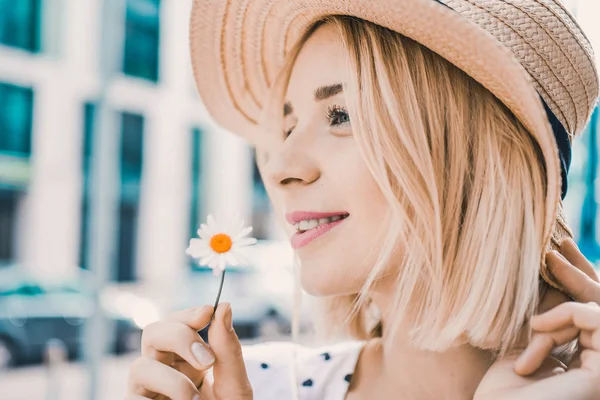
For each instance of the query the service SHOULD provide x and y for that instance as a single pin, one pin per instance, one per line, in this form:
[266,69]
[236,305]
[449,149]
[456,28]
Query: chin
[322,280]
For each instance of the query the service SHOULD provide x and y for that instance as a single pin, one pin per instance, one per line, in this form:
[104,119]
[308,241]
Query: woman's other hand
[536,375]
[579,278]
[175,360]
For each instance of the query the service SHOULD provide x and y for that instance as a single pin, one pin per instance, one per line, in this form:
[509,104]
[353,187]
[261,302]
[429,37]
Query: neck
[402,371]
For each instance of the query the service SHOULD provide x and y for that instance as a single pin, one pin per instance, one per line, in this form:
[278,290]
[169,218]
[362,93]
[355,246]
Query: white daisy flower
[219,244]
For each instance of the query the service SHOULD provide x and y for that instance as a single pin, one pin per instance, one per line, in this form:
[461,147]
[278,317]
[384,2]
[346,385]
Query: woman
[436,136]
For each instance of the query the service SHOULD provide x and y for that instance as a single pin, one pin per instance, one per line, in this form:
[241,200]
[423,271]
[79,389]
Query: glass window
[8,214]
[89,111]
[132,149]
[195,184]
[127,245]
[20,24]
[142,39]
[16,115]
[195,187]
[132,145]
[131,165]
[261,207]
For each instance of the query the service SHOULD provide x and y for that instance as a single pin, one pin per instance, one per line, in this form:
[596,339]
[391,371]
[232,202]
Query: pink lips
[301,239]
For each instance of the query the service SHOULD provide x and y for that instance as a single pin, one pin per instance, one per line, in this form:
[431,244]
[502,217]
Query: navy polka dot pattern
[307,383]
[320,372]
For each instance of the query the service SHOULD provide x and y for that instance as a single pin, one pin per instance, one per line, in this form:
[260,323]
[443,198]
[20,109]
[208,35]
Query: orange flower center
[220,243]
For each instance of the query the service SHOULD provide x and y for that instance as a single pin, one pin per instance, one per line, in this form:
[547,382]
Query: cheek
[368,202]
[343,267]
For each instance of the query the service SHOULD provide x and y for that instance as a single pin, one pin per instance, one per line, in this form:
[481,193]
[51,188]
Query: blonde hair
[465,182]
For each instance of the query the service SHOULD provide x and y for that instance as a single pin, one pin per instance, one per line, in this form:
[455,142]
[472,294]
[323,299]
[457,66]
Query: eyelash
[335,112]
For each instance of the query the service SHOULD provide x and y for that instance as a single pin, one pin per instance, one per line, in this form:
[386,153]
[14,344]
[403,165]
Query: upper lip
[297,216]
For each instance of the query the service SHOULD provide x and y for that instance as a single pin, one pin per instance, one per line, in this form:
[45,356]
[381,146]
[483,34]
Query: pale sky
[588,15]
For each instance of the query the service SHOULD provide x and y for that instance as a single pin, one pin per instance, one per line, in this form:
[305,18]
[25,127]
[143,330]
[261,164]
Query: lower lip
[302,239]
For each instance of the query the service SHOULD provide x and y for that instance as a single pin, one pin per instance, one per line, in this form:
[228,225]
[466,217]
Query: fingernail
[196,397]
[228,320]
[202,354]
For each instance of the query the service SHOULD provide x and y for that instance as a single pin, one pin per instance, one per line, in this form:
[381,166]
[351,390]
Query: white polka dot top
[322,373]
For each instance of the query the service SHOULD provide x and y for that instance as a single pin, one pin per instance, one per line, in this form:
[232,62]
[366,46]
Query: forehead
[320,62]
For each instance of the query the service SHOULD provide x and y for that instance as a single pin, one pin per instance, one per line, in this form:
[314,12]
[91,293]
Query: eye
[337,116]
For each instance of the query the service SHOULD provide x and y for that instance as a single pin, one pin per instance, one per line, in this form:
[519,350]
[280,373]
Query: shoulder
[321,372]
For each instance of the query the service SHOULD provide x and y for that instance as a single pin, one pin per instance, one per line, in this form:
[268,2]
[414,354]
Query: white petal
[217,272]
[248,241]
[231,226]
[240,258]
[214,262]
[236,228]
[207,260]
[205,232]
[197,248]
[231,259]
[221,262]
[245,231]
[198,253]
[197,244]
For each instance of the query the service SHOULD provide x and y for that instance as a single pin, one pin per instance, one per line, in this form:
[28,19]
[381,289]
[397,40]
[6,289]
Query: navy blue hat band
[564,146]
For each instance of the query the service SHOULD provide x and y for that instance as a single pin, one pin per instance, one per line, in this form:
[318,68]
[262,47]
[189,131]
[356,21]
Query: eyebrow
[321,93]
[325,92]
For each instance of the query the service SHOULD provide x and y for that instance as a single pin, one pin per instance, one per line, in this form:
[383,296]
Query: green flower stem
[218,296]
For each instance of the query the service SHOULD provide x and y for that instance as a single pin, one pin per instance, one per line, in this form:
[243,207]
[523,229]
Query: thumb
[229,370]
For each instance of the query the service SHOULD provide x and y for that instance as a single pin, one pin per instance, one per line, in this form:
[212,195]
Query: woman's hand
[579,278]
[175,360]
[535,375]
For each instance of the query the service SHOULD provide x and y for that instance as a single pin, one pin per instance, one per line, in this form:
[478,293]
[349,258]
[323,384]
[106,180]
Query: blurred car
[35,311]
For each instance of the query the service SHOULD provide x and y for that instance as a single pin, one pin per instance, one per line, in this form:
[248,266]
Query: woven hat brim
[239,46]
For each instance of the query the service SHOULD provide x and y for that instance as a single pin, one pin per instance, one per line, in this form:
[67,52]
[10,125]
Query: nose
[292,164]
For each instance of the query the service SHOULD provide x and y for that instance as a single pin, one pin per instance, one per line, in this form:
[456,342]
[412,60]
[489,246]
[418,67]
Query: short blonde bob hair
[465,182]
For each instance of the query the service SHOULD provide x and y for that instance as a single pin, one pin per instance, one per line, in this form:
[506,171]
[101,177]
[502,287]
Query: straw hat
[531,54]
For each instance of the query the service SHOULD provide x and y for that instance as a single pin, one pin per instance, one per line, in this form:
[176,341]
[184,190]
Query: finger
[163,337]
[230,377]
[586,339]
[571,252]
[191,372]
[136,397]
[148,377]
[579,285]
[590,360]
[195,317]
[540,348]
[583,316]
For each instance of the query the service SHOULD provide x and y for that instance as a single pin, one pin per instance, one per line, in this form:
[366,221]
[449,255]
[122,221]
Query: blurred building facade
[170,152]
